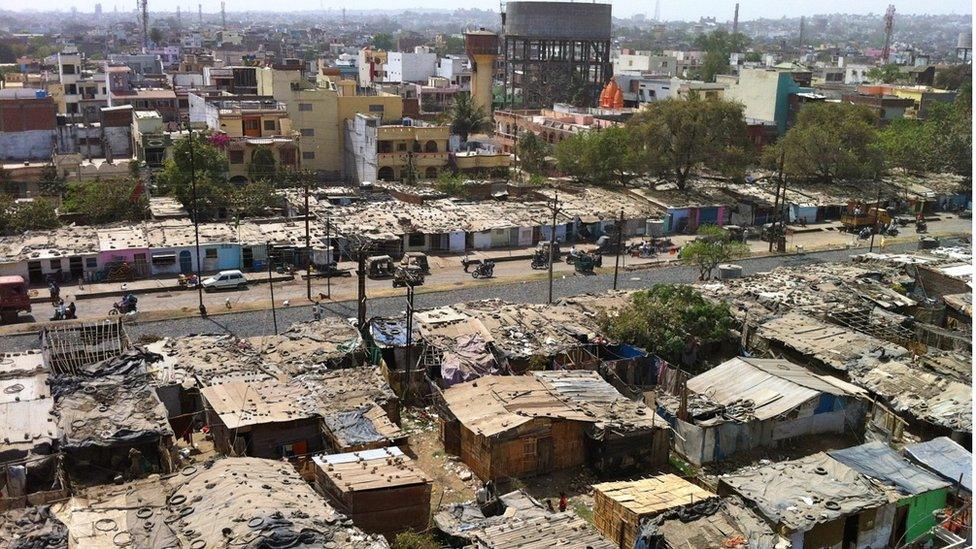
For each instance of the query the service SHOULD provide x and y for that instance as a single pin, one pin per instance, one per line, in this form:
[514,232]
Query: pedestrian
[464,261]
[563,502]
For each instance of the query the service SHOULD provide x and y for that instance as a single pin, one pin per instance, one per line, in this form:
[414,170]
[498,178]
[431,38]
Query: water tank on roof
[40,94]
[407,121]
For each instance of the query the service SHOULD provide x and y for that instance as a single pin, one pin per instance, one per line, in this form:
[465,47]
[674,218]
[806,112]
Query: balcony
[420,159]
[476,161]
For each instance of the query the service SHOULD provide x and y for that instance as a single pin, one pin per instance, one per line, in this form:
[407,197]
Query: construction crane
[889,22]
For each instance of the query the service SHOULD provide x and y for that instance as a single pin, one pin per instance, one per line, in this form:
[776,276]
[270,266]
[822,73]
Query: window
[56,264]
[252,124]
[269,125]
[210,253]
[305,107]
[235,157]
[416,239]
[308,132]
[91,263]
[308,155]
[376,108]
[287,157]
[68,69]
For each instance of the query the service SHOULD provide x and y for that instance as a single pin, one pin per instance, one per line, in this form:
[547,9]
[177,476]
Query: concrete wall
[28,145]
[360,150]
[118,141]
[410,67]
[756,90]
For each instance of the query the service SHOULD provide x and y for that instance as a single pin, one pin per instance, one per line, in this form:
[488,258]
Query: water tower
[482,49]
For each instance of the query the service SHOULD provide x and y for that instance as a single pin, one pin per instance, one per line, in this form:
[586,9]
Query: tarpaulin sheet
[877,460]
[353,427]
[946,458]
[468,360]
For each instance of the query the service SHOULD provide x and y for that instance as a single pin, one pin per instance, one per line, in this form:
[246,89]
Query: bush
[413,540]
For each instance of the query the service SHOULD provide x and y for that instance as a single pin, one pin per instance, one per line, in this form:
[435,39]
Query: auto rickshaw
[416,259]
[586,262]
[408,275]
[380,266]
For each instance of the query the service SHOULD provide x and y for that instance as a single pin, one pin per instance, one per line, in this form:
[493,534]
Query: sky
[670,9]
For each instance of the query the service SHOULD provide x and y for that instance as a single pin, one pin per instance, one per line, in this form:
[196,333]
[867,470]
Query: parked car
[224,280]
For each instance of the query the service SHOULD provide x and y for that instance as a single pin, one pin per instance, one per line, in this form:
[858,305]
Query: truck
[858,217]
[14,298]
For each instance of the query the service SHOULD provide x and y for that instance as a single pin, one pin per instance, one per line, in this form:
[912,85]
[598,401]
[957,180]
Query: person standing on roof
[563,502]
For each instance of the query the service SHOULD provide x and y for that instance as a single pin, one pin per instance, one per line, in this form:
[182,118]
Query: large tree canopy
[673,138]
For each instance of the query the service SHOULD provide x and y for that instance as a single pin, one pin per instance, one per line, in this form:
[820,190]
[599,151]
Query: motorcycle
[540,261]
[485,269]
[864,234]
[187,281]
[125,306]
[64,313]
[573,256]
[921,227]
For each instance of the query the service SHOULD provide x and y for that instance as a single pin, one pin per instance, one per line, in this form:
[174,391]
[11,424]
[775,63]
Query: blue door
[186,263]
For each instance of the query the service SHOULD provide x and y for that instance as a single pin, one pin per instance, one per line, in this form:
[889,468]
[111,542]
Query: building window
[376,108]
[91,263]
[235,157]
[416,239]
[210,253]
[308,155]
[304,107]
[251,125]
[269,125]
[308,132]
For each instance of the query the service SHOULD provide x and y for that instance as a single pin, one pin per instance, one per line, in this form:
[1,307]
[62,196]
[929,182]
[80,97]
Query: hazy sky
[670,9]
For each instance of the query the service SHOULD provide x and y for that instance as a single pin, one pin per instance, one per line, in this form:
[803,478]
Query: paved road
[251,323]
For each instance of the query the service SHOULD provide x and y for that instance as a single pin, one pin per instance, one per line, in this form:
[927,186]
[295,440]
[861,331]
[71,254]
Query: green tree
[450,184]
[674,138]
[598,157]
[254,199]
[908,144]
[156,35]
[413,540]
[211,174]
[52,183]
[710,249]
[954,77]
[262,167]
[383,41]
[718,46]
[108,201]
[6,213]
[753,57]
[829,140]
[532,153]
[887,74]
[467,117]
[34,215]
[669,319]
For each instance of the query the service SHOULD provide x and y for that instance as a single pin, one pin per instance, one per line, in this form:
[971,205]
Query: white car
[224,280]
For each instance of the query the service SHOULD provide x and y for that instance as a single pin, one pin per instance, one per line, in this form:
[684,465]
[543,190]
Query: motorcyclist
[71,312]
[60,312]
[55,291]
[128,303]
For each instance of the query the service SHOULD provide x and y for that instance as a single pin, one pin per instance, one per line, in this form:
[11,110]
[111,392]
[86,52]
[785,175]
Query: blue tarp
[877,460]
[946,458]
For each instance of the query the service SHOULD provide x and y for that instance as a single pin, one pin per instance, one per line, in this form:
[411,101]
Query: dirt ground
[453,482]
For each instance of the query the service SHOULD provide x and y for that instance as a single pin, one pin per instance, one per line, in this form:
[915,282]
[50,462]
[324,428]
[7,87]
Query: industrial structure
[889,22]
[555,52]
[482,49]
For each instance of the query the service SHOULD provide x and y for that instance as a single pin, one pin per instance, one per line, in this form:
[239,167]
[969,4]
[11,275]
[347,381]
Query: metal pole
[552,240]
[877,214]
[409,357]
[196,223]
[776,212]
[328,243]
[361,273]
[620,237]
[274,312]
[308,246]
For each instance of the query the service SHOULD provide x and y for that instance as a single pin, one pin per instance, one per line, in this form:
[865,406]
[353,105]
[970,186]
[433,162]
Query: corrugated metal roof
[878,461]
[945,457]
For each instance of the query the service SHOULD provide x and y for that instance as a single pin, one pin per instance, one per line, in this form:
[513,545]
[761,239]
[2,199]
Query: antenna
[144,5]
[889,23]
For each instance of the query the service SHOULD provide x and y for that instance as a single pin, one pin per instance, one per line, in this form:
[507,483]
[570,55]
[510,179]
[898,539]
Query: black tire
[113,312]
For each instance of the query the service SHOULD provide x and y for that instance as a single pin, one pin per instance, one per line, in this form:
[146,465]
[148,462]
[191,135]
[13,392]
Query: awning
[164,258]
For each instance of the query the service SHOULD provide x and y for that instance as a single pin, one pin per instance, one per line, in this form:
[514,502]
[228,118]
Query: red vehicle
[13,298]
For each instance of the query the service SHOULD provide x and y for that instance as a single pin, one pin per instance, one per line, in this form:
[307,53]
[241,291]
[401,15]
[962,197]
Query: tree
[211,171]
[253,199]
[909,145]
[954,77]
[829,140]
[450,184]
[156,36]
[673,138]
[719,45]
[262,167]
[383,41]
[467,117]
[598,157]
[34,215]
[887,74]
[413,540]
[712,248]
[532,153]
[669,320]
[52,183]
[108,201]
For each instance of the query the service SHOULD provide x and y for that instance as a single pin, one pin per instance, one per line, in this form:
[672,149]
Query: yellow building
[424,147]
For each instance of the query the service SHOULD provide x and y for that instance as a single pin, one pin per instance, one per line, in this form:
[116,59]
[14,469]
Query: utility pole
[274,313]
[620,238]
[196,222]
[552,239]
[877,215]
[308,244]
[329,254]
[409,327]
[779,183]
[361,289]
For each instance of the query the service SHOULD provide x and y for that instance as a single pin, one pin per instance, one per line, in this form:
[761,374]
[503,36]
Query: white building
[642,62]
[456,69]
[856,74]
[410,67]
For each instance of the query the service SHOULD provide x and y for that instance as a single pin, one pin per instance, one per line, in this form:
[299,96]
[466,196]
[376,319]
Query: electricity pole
[330,256]
[877,214]
[776,208]
[620,237]
[196,222]
[274,313]
[552,239]
[308,244]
